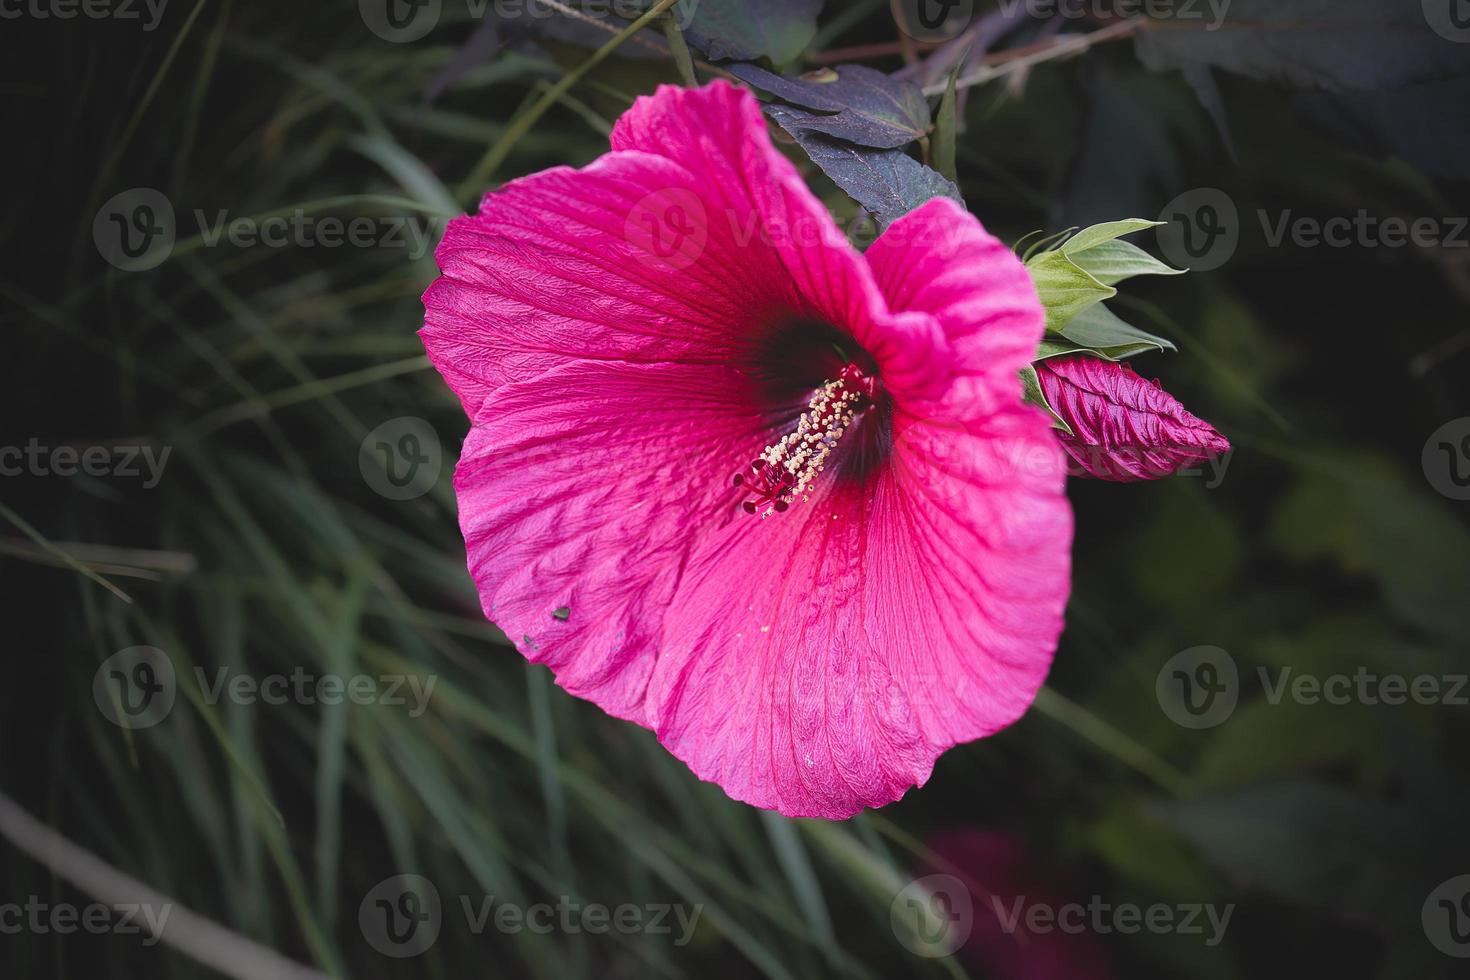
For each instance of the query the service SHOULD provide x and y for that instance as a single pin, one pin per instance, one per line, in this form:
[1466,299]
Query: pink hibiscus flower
[1124,428]
[629,338]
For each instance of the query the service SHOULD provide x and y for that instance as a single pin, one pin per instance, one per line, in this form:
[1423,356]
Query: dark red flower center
[786,469]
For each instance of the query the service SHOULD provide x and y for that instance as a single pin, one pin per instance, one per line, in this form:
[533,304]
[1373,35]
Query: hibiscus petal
[582,489]
[1124,427]
[819,661]
[938,260]
[678,246]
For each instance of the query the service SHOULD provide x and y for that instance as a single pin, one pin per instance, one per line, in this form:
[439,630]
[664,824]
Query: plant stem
[1008,62]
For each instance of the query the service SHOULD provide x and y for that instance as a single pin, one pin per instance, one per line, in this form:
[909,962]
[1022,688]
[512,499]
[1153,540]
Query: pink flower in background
[1005,885]
[1124,428]
[730,479]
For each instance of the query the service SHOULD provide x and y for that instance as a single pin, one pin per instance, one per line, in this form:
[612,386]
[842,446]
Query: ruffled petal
[580,495]
[818,662]
[939,261]
[752,192]
[682,245]
[1123,427]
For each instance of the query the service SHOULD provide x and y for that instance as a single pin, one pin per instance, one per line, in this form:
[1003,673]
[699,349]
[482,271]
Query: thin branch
[1004,63]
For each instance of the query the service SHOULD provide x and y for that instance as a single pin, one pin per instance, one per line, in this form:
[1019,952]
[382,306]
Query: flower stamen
[785,470]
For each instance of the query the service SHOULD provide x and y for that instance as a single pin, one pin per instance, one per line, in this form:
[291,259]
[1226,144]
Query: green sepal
[1031,393]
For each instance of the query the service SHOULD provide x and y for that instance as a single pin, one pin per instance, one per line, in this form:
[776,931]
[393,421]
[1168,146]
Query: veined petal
[681,245]
[818,663]
[584,489]
[939,261]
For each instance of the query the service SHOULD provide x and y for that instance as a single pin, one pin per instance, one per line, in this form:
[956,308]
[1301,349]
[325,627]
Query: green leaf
[1065,289]
[888,183]
[1100,328]
[1031,392]
[1107,231]
[946,127]
[1112,262]
[850,102]
[1061,348]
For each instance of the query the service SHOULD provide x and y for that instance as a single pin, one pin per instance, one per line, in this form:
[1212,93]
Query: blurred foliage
[1323,548]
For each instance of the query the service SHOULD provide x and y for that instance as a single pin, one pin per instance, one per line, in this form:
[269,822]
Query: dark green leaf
[889,183]
[851,102]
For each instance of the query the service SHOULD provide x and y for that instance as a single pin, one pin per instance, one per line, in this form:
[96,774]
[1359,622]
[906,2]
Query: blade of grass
[484,171]
[1110,740]
[45,544]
